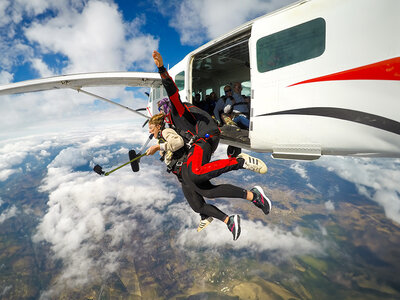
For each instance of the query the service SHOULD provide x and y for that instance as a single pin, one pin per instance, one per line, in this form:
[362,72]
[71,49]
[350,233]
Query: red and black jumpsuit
[198,170]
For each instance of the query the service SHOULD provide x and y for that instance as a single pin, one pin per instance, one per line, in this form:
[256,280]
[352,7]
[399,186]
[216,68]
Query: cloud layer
[96,34]
[91,220]
[376,179]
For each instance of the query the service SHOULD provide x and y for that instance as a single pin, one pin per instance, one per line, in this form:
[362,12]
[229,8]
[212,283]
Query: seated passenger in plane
[238,107]
[220,105]
[211,101]
[200,104]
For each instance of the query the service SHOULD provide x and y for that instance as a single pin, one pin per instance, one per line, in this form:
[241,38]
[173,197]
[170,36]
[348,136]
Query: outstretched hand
[153,149]
[157,59]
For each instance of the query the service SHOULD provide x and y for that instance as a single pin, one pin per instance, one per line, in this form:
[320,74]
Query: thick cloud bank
[91,220]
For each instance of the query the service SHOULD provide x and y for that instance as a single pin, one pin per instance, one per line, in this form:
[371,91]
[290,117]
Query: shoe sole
[266,198]
[204,226]
[236,220]
[246,157]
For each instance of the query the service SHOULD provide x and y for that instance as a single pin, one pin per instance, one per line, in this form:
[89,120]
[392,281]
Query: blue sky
[41,34]
[41,38]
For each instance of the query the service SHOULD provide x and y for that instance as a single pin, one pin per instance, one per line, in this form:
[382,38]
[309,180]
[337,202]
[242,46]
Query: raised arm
[158,59]
[169,84]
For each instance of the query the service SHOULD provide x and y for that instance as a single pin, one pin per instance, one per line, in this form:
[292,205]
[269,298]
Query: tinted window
[180,80]
[290,46]
[246,88]
[157,93]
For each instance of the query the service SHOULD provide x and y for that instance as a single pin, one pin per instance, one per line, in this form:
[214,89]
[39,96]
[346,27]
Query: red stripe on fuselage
[384,70]
[148,110]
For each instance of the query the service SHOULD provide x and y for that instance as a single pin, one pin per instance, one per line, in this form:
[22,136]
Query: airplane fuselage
[323,77]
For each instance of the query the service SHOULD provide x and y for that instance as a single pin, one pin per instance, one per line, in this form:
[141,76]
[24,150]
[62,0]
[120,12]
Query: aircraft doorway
[225,62]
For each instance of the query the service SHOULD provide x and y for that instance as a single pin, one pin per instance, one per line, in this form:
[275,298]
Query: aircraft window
[221,90]
[157,93]
[198,93]
[180,80]
[292,45]
[246,88]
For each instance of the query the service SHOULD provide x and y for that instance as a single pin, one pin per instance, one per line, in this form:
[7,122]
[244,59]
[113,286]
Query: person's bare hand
[152,149]
[157,59]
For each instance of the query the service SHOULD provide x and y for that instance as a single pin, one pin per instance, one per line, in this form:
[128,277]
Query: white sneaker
[253,163]
[204,223]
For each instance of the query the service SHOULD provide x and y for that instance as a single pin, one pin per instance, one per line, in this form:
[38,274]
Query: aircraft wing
[77,81]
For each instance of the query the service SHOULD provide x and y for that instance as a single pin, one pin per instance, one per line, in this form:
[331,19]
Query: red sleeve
[172,91]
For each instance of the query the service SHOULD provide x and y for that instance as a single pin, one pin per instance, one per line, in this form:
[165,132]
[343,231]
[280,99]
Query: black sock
[240,162]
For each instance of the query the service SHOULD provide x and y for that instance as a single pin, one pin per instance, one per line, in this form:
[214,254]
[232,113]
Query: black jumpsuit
[198,170]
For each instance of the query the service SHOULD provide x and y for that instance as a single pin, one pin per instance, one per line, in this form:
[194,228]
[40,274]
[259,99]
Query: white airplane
[323,77]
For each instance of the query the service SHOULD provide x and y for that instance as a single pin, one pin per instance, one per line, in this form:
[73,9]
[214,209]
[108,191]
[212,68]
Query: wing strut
[112,102]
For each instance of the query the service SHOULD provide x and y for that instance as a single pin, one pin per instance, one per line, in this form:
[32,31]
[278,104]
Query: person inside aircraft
[238,107]
[211,101]
[218,113]
[201,136]
[199,103]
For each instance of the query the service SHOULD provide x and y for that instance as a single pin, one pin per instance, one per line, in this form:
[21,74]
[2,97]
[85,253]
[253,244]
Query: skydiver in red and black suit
[200,131]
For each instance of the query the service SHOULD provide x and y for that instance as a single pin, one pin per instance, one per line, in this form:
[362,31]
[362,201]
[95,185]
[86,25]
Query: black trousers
[196,175]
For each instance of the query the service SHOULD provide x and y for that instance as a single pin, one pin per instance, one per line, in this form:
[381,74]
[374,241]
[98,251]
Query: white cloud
[81,36]
[95,39]
[255,236]
[8,213]
[32,7]
[42,68]
[329,205]
[44,153]
[4,174]
[200,20]
[90,214]
[61,110]
[390,200]
[71,157]
[5,77]
[17,11]
[377,179]
[4,17]
[91,219]
[10,156]
[80,206]
[299,168]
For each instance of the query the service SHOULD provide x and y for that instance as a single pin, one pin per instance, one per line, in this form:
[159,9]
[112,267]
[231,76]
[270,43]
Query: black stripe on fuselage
[344,114]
